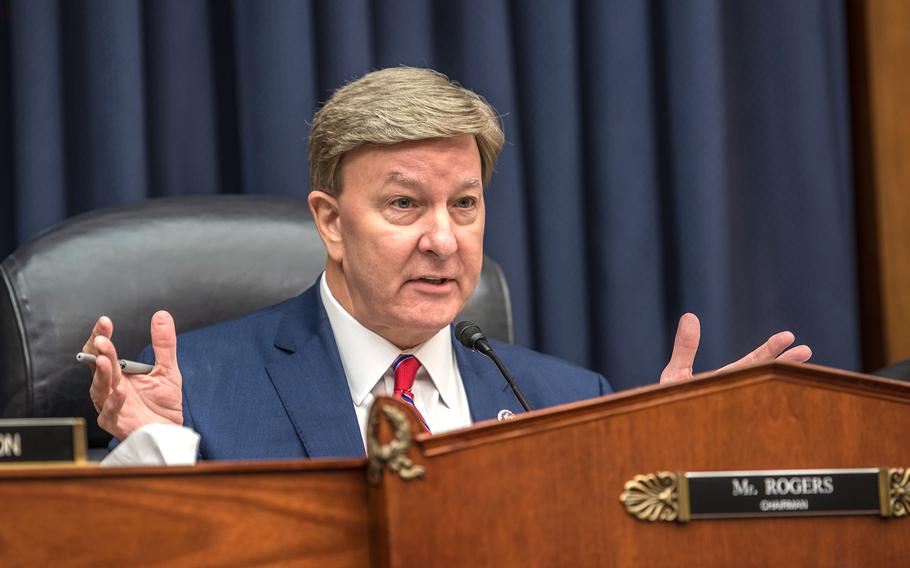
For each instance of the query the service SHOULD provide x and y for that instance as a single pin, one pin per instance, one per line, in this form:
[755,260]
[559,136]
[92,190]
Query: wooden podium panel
[214,514]
[543,490]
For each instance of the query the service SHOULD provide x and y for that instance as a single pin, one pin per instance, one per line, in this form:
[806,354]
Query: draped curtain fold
[661,156]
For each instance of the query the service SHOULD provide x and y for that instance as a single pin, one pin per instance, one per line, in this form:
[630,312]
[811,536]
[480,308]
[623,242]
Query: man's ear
[324,208]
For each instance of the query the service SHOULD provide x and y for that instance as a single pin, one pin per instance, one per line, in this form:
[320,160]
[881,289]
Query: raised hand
[126,402]
[688,334]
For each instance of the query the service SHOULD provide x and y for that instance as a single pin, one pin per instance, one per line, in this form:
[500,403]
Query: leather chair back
[204,259]
[899,370]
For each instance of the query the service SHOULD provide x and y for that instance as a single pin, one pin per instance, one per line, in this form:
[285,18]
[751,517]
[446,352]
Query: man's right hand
[127,402]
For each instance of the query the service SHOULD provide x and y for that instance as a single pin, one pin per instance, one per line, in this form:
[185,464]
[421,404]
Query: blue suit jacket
[271,385]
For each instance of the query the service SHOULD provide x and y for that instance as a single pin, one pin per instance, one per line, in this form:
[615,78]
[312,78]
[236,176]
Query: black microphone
[468,334]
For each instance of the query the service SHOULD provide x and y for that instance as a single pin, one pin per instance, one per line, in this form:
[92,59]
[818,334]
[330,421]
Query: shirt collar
[366,355]
[438,358]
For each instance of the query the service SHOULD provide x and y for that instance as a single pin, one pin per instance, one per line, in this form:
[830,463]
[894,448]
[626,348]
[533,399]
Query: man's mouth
[436,281]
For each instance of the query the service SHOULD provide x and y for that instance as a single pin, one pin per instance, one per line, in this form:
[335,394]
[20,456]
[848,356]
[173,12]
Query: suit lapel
[307,374]
[487,390]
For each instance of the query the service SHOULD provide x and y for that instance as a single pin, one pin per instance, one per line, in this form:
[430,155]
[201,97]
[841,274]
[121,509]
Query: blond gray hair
[398,104]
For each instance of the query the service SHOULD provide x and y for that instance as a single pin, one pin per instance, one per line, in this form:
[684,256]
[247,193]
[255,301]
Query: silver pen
[131,367]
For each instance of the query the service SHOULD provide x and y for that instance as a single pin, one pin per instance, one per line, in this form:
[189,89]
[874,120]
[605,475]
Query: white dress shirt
[367,361]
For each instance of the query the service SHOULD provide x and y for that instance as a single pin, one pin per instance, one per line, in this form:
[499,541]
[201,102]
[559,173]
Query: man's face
[406,240]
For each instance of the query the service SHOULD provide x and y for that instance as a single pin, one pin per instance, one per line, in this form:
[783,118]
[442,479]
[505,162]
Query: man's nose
[438,238]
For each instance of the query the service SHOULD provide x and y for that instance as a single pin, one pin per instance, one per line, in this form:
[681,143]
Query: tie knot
[405,367]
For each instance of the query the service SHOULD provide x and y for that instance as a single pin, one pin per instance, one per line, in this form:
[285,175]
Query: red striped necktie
[405,367]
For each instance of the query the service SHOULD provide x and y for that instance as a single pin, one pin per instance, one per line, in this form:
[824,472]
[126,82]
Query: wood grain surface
[544,490]
[225,514]
[880,91]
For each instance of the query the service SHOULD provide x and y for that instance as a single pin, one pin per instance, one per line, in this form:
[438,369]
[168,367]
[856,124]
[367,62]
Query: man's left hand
[688,335]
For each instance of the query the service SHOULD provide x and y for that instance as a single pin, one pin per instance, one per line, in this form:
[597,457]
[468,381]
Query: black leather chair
[899,370]
[204,259]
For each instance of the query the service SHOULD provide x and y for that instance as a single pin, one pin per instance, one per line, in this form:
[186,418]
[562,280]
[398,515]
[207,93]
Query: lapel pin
[505,414]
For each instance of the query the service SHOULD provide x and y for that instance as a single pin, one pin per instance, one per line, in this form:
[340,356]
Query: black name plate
[29,440]
[784,493]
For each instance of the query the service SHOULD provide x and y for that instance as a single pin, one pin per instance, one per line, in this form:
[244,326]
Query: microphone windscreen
[468,334]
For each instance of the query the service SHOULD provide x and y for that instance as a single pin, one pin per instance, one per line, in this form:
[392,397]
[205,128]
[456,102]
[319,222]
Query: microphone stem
[505,373]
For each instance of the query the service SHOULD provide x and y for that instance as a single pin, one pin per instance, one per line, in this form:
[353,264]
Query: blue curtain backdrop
[663,156]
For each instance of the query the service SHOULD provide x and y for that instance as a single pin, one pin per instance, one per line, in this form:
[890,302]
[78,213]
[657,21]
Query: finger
[110,411]
[768,351]
[798,354]
[685,346]
[101,383]
[107,351]
[164,340]
[104,327]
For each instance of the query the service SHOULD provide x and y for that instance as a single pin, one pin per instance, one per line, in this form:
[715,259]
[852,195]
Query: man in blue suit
[398,161]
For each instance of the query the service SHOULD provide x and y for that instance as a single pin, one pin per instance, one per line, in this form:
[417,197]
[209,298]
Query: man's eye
[403,203]
[465,203]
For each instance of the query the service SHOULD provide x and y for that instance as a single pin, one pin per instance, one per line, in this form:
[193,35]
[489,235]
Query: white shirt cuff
[156,444]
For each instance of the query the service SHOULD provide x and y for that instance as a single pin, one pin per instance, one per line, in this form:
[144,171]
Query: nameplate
[783,493]
[677,496]
[42,440]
